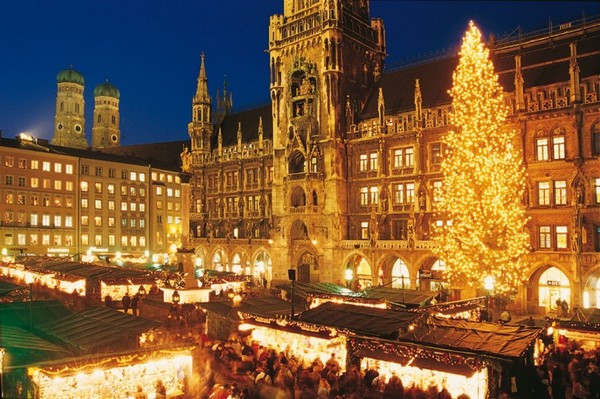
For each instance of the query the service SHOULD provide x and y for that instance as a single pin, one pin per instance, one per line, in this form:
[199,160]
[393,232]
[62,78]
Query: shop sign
[553,283]
[425,274]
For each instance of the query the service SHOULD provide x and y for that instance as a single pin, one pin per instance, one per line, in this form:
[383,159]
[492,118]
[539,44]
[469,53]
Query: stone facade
[342,170]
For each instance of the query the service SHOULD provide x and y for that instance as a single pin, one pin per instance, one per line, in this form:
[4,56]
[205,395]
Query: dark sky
[150,50]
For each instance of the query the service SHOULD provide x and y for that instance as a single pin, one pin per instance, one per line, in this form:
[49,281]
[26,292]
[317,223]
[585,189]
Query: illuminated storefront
[424,368]
[553,285]
[115,377]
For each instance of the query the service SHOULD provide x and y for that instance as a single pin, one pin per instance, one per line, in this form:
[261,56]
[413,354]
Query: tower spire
[202,88]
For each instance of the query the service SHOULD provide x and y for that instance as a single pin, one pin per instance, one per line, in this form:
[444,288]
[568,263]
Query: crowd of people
[242,369]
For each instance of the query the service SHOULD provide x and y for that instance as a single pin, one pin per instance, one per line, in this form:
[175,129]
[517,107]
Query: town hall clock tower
[325,56]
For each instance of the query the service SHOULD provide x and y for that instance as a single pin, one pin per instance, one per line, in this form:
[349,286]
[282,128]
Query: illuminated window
[132,191]
[68,221]
[436,153]
[112,240]
[98,221]
[543,193]
[69,202]
[68,240]
[159,205]
[124,241]
[169,192]
[9,161]
[142,191]
[363,164]
[98,187]
[364,196]
[560,192]
[545,237]
[364,230]
[58,167]
[69,186]
[410,193]
[123,222]
[110,188]
[45,239]
[558,143]
[132,223]
[85,221]
[542,149]
[373,164]
[33,239]
[85,240]
[57,201]
[58,185]
[111,205]
[142,241]
[111,221]
[142,223]
[132,206]
[21,239]
[46,183]
[45,219]
[597,190]
[57,240]
[33,218]
[69,169]
[35,182]
[35,164]
[142,176]
[84,203]
[46,166]
[142,207]
[133,241]
[561,237]
[84,186]
[133,176]
[437,190]
[57,220]
[22,164]
[159,190]
[374,195]
[124,206]
[98,239]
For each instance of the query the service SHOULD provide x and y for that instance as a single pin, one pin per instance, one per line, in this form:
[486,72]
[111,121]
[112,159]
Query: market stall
[51,352]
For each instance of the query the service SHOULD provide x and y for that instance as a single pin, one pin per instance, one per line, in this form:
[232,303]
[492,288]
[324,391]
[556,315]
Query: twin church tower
[69,124]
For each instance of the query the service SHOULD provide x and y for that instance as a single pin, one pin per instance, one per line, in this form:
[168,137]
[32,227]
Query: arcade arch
[549,284]
[361,273]
[262,268]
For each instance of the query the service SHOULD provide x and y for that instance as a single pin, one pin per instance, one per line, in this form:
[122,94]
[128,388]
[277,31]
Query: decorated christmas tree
[482,233]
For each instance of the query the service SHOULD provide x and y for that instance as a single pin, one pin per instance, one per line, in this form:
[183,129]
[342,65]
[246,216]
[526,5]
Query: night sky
[151,49]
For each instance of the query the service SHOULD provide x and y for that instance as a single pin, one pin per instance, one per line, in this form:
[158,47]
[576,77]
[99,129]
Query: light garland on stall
[484,180]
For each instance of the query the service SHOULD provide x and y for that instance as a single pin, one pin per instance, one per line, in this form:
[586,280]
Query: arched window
[553,285]
[298,197]
[400,275]
[596,137]
[99,120]
[297,161]
[76,108]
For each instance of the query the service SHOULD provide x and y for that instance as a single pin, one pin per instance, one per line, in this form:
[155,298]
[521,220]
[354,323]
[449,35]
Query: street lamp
[488,284]
[176,297]
[349,275]
[292,277]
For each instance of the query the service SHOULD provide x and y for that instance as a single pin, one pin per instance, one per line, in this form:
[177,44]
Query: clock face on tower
[59,126]
[78,128]
[114,138]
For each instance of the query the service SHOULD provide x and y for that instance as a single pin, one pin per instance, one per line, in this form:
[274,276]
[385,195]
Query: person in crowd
[505,317]
[161,390]
[324,389]
[108,302]
[135,301]
[140,394]
[394,388]
[126,302]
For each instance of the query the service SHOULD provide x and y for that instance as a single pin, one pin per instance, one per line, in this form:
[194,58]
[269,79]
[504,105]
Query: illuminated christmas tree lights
[484,179]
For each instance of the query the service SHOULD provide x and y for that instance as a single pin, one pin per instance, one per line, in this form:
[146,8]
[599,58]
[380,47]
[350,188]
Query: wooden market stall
[51,352]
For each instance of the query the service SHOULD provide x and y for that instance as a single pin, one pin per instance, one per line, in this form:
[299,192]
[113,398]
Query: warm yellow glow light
[484,180]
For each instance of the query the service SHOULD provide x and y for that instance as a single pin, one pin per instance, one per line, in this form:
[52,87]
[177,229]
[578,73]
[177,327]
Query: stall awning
[360,320]
[96,327]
